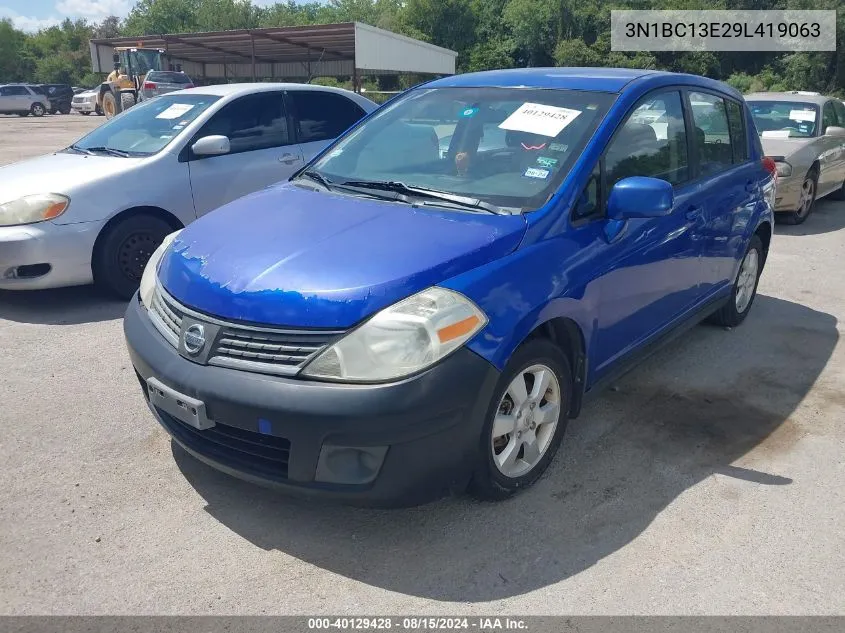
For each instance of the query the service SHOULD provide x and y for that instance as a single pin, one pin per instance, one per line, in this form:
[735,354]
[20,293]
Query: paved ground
[712,480]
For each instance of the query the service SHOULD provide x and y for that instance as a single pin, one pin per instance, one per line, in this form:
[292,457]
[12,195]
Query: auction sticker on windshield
[802,115]
[174,111]
[536,118]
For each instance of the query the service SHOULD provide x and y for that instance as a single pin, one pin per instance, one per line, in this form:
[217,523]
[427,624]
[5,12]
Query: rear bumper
[65,249]
[86,106]
[430,424]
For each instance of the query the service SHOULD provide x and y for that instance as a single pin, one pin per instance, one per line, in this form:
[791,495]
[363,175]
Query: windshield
[141,61]
[149,127]
[509,147]
[784,118]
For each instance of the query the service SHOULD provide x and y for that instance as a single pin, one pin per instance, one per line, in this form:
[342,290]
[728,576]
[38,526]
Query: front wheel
[745,287]
[525,423]
[805,202]
[110,106]
[37,109]
[123,253]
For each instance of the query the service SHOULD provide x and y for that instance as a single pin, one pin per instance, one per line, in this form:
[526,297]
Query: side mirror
[833,130]
[640,197]
[214,145]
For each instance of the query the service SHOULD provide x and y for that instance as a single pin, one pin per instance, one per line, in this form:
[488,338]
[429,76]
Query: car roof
[225,90]
[588,78]
[792,95]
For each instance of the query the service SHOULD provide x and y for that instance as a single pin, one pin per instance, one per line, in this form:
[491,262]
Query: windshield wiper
[102,150]
[435,194]
[315,175]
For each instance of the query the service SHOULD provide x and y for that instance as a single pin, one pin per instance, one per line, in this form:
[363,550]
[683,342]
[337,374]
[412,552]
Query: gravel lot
[710,480]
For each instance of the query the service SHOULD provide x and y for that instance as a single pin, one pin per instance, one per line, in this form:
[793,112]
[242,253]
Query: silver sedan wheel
[526,420]
[808,194]
[747,280]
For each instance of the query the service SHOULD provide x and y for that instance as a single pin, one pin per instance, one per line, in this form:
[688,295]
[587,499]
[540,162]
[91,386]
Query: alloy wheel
[747,280]
[525,421]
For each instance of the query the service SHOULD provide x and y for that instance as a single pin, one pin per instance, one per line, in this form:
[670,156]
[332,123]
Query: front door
[262,151]
[320,117]
[651,267]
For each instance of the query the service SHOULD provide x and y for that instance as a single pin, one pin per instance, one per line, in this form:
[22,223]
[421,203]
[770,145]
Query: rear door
[730,184]
[262,151]
[320,117]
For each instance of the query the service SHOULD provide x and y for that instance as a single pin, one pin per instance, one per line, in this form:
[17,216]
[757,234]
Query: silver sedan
[95,211]
[804,133]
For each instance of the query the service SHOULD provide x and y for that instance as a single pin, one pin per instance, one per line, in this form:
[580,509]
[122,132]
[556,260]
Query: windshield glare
[511,147]
[784,118]
[148,127]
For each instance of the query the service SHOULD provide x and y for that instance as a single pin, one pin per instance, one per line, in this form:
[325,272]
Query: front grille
[240,346]
[264,456]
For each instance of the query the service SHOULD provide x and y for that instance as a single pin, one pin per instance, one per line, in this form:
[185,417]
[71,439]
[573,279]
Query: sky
[31,15]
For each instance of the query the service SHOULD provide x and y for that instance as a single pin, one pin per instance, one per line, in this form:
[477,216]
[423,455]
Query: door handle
[288,159]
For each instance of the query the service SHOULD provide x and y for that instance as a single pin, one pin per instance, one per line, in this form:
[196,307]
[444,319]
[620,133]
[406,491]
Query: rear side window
[253,122]
[652,142]
[739,140]
[712,135]
[322,116]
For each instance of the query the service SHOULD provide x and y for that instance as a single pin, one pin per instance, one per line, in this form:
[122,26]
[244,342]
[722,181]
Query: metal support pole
[355,86]
[252,43]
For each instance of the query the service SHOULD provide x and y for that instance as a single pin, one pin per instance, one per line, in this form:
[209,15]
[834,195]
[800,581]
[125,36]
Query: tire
[37,110]
[734,312]
[23,113]
[110,105]
[54,111]
[808,199]
[85,113]
[489,482]
[65,110]
[122,252]
[127,100]
[98,110]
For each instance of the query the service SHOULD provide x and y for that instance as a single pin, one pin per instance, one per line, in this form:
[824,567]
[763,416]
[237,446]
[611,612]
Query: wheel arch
[116,219]
[764,232]
[569,337]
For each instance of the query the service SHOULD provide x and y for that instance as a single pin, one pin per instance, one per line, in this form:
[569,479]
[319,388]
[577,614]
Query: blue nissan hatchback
[426,304]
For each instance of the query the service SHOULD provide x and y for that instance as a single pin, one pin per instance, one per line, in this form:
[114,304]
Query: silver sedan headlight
[402,339]
[35,208]
[783,168]
[148,279]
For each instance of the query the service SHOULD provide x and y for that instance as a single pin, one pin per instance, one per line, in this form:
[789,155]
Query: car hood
[784,146]
[295,257]
[58,173]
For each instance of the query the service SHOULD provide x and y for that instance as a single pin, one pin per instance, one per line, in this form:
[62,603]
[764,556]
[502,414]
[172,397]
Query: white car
[85,102]
[95,211]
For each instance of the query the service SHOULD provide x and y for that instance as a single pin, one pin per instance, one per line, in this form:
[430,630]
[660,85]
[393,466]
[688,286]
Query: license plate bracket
[184,408]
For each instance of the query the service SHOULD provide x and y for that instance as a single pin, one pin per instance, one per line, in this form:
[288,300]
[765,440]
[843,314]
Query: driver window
[828,117]
[652,142]
[254,122]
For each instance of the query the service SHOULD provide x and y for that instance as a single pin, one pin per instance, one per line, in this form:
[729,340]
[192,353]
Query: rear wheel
[526,421]
[745,287]
[23,113]
[37,109]
[805,202]
[65,110]
[124,251]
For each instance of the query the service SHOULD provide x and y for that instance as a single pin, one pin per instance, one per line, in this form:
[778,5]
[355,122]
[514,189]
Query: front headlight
[401,340]
[783,168]
[148,280]
[35,208]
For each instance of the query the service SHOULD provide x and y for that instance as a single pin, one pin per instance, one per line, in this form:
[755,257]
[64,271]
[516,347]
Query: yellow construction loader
[121,89]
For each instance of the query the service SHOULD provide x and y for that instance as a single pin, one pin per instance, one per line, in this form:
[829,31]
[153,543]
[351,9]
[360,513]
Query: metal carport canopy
[325,49]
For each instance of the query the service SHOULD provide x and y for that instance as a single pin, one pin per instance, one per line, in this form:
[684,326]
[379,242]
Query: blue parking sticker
[469,112]
[545,161]
[534,172]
